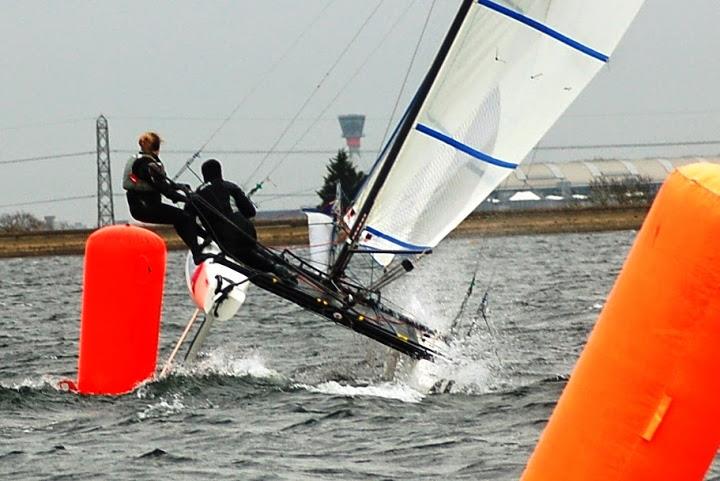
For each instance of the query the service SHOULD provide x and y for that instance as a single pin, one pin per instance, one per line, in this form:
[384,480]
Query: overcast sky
[182,67]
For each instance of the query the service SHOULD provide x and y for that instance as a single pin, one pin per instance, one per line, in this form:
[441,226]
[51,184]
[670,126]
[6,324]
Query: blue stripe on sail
[545,29]
[395,241]
[464,148]
[377,250]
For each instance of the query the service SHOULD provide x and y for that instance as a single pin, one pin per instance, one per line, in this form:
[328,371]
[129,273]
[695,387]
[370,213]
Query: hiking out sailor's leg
[149,208]
[187,229]
[142,207]
[184,224]
[243,244]
[190,210]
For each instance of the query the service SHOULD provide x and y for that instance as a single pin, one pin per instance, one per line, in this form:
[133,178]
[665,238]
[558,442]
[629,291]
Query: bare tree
[622,191]
[20,222]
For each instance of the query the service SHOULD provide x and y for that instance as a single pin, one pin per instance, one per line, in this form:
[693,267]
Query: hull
[216,289]
[348,306]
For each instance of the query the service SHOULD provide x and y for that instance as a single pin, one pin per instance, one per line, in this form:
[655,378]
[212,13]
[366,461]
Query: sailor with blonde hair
[145,182]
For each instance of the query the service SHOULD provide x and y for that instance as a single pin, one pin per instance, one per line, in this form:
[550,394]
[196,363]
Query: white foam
[219,361]
[163,408]
[36,383]
[470,377]
[469,369]
[388,390]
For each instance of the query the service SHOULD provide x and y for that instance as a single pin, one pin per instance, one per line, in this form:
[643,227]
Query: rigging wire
[257,85]
[454,324]
[482,310]
[456,329]
[270,197]
[342,89]
[407,75]
[315,91]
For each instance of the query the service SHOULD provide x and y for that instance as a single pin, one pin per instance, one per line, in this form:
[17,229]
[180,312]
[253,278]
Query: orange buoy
[121,306]
[643,402]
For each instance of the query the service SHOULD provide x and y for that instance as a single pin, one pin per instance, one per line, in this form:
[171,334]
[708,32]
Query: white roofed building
[568,180]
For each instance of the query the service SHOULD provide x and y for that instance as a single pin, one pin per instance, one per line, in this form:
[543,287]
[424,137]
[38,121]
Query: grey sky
[180,68]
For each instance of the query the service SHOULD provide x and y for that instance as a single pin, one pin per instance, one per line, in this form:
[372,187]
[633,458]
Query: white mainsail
[512,69]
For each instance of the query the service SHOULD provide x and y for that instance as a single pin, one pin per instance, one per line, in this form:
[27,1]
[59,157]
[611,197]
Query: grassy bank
[294,232]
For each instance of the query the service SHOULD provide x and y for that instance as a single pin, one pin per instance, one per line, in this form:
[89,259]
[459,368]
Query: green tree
[20,222]
[340,169]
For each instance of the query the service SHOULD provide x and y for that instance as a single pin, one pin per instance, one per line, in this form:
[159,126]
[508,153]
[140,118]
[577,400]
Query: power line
[299,194]
[407,75]
[187,118]
[261,81]
[47,157]
[236,118]
[243,151]
[627,146]
[317,151]
[35,125]
[342,89]
[50,201]
[315,90]
[326,151]
[646,114]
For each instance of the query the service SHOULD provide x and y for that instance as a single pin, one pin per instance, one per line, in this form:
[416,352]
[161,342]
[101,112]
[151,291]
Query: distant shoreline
[278,233]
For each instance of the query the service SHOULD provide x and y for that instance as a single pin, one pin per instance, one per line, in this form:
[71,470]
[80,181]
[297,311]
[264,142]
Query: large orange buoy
[643,402]
[122,299]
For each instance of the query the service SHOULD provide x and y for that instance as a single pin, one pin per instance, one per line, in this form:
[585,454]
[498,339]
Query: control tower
[352,130]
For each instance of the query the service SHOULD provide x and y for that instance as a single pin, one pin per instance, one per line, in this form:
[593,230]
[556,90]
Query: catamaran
[505,72]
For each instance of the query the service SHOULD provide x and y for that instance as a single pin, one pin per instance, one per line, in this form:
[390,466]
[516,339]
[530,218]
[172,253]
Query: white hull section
[207,283]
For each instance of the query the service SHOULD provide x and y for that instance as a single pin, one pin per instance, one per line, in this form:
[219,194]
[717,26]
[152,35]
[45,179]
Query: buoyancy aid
[132,181]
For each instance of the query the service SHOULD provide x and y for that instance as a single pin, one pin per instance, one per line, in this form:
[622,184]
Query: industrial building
[560,182]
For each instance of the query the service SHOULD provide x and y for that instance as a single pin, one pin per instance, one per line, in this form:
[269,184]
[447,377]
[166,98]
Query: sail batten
[397,242]
[463,147]
[545,29]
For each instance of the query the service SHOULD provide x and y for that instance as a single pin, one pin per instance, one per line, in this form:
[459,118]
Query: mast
[345,253]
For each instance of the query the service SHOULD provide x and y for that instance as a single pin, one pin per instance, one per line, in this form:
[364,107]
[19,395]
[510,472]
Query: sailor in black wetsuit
[146,182]
[227,219]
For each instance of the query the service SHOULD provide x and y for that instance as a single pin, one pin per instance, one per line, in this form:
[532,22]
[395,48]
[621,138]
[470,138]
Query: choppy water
[282,395]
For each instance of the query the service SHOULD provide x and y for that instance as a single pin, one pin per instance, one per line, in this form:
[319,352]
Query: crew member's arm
[151,172]
[244,205]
